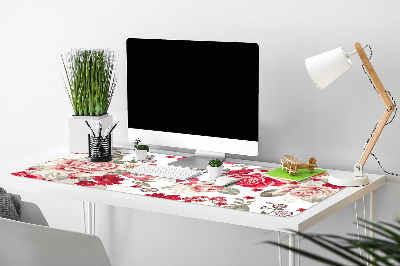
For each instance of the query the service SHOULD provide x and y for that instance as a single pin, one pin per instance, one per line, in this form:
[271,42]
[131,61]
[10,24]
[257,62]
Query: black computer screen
[193,87]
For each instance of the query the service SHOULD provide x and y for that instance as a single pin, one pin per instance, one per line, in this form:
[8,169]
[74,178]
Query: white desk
[297,223]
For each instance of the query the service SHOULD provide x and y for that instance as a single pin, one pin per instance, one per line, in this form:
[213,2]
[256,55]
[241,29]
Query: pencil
[89,127]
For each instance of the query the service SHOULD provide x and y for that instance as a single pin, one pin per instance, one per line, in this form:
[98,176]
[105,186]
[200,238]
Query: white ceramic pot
[141,155]
[214,172]
[78,131]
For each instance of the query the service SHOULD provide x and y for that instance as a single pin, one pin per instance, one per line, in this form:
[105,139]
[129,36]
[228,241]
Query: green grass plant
[91,80]
[383,250]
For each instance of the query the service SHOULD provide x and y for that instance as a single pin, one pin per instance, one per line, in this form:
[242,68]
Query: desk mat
[255,191]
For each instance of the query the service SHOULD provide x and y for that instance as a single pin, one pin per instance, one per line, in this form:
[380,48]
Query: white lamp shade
[326,67]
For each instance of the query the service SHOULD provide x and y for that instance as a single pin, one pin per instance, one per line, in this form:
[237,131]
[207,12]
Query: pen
[90,132]
[100,127]
[106,132]
[89,127]
[112,128]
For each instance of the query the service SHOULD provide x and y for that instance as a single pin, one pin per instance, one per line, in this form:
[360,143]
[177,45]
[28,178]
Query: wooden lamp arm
[389,108]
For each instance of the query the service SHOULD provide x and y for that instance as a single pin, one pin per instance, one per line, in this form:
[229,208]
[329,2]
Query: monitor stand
[199,160]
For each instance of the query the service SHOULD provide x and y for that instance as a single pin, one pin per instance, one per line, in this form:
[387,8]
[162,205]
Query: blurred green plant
[91,80]
[381,251]
[215,163]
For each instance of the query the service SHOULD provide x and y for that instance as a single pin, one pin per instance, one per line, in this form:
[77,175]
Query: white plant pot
[78,131]
[141,155]
[214,172]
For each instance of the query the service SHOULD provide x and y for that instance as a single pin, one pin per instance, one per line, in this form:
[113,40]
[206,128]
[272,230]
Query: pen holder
[99,149]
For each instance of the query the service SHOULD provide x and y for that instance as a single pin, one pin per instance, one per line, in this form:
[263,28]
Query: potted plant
[215,168]
[384,250]
[141,150]
[90,83]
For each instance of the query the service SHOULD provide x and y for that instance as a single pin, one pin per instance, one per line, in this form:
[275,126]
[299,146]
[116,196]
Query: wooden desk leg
[292,243]
[89,220]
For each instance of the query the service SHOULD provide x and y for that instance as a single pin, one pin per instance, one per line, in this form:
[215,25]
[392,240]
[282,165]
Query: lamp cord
[387,123]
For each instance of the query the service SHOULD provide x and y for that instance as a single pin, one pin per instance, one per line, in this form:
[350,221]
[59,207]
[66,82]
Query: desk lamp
[323,70]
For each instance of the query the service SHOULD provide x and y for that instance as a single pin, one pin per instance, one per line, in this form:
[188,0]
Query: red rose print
[86,183]
[205,187]
[25,174]
[240,172]
[169,156]
[257,180]
[332,186]
[162,195]
[108,179]
[143,177]
[83,166]
[248,197]
[300,209]
[298,190]
[178,159]
[220,203]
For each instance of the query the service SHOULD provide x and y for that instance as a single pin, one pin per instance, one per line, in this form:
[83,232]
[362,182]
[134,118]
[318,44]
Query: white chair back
[23,243]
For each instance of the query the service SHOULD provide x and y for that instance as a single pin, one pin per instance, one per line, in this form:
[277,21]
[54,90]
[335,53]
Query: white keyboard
[176,173]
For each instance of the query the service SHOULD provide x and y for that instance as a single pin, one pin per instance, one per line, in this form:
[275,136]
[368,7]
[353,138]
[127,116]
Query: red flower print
[86,167]
[178,159]
[108,179]
[240,172]
[195,199]
[143,177]
[248,197]
[191,181]
[137,186]
[31,168]
[257,189]
[228,163]
[172,197]
[169,156]
[302,191]
[264,171]
[300,209]
[86,183]
[25,174]
[257,180]
[162,195]
[315,179]
[220,203]
[205,187]
[332,186]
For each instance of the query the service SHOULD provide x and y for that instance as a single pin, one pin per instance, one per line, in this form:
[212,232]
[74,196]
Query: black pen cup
[99,149]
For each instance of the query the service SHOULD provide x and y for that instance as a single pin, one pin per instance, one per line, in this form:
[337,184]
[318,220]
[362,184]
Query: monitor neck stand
[199,160]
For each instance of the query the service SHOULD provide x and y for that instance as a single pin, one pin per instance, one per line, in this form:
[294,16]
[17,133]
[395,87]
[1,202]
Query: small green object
[215,163]
[140,147]
[304,173]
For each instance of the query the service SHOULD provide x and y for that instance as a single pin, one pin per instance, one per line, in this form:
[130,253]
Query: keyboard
[171,172]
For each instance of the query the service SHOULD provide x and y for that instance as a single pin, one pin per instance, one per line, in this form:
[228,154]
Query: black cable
[387,123]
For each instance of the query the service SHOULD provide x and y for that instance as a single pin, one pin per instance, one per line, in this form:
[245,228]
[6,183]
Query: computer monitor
[199,95]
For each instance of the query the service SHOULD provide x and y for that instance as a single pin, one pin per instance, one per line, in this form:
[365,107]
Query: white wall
[296,118]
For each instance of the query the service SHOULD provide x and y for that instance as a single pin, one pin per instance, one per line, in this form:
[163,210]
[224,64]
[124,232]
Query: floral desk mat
[255,191]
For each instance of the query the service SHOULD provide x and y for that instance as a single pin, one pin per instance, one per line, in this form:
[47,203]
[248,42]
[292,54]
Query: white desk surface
[297,223]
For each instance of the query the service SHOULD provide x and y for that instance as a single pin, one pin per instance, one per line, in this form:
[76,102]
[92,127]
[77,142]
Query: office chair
[32,243]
